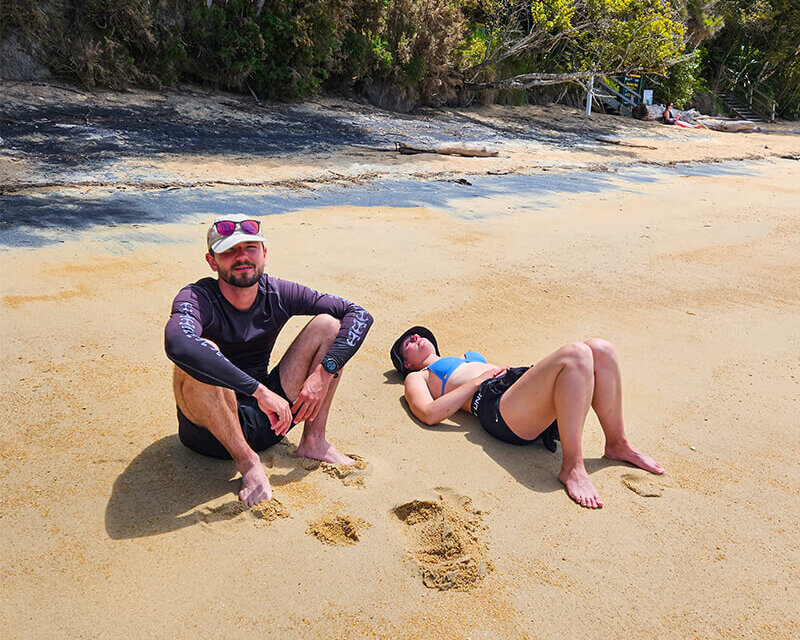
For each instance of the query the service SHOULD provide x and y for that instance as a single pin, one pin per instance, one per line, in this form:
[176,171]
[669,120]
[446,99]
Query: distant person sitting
[524,404]
[669,116]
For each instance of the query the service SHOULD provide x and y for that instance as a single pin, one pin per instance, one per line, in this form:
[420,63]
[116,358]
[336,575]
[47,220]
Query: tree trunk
[449,149]
[727,125]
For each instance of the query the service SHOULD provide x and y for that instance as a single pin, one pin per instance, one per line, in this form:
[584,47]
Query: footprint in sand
[338,529]
[266,512]
[643,485]
[445,541]
[350,475]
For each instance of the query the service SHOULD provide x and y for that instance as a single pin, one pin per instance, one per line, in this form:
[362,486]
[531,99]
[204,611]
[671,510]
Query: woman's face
[415,349]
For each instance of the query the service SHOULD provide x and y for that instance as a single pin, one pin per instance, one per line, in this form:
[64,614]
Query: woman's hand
[492,373]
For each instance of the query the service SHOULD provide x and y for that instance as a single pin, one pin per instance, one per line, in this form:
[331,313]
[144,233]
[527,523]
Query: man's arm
[201,359]
[198,357]
[432,411]
[297,299]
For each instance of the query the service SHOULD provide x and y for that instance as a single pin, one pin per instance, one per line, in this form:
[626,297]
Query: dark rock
[16,63]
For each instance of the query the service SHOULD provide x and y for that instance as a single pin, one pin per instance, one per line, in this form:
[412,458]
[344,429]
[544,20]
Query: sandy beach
[684,256]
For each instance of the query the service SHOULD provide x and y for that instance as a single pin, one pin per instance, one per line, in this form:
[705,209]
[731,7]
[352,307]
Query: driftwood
[448,149]
[623,143]
[649,111]
[727,125]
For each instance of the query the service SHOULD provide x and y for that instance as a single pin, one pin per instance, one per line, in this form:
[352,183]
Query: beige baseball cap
[219,242]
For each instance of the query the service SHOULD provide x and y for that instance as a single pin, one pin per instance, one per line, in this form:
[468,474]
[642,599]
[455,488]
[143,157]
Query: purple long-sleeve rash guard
[245,338]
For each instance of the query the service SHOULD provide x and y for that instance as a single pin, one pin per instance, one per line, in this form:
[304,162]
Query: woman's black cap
[397,356]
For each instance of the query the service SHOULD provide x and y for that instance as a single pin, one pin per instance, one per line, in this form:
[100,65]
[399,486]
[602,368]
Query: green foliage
[422,38]
[610,34]
[292,48]
[379,49]
[563,36]
[98,42]
[475,46]
[682,81]
[223,43]
[552,16]
[286,51]
[757,51]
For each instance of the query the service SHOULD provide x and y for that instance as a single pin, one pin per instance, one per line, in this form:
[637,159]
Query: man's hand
[314,390]
[276,408]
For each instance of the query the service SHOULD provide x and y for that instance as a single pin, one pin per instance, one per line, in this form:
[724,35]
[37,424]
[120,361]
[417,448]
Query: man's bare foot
[321,449]
[255,486]
[580,488]
[627,453]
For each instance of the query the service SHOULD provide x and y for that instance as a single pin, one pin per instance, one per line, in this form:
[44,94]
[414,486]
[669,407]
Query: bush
[98,42]
[419,46]
[680,83]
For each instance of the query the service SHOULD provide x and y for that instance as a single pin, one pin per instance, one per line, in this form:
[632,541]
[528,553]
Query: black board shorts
[255,425]
[485,406]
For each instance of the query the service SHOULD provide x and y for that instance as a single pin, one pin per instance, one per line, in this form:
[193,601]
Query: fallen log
[728,125]
[447,149]
[623,143]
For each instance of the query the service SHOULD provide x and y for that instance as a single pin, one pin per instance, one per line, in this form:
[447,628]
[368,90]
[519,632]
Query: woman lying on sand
[517,405]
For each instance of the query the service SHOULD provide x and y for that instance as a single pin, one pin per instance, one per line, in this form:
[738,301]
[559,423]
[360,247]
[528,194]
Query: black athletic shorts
[254,422]
[485,406]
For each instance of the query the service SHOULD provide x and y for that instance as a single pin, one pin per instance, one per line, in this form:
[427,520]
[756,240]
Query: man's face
[415,349]
[240,266]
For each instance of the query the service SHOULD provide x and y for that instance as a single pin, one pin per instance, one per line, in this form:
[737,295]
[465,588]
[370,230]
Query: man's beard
[242,280]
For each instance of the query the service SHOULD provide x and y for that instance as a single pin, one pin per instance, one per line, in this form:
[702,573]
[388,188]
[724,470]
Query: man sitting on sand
[519,405]
[220,336]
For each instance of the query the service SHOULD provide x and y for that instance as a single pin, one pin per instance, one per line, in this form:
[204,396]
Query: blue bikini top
[444,367]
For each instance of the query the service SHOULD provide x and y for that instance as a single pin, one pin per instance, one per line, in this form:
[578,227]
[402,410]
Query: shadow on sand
[164,485]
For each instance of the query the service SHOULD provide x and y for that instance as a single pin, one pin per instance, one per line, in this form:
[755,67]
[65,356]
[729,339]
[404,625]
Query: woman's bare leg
[560,386]
[607,404]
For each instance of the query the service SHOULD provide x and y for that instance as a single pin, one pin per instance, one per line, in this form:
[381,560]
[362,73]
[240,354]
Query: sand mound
[337,529]
[266,512]
[350,475]
[446,542]
[643,485]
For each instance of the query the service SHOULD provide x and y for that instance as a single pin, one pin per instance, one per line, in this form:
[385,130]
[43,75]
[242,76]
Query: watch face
[329,364]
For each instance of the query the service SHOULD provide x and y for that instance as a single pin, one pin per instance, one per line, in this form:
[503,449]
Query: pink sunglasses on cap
[227,227]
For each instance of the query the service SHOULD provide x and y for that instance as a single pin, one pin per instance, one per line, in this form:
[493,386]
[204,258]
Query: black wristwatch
[331,365]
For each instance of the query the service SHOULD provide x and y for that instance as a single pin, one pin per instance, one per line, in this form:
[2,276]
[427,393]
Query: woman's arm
[432,411]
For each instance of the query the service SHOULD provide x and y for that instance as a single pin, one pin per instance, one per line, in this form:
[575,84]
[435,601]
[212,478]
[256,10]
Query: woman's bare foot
[255,486]
[580,488]
[627,453]
[321,449]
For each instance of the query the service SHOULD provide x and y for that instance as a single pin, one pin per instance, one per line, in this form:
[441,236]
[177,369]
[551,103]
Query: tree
[759,49]
[555,41]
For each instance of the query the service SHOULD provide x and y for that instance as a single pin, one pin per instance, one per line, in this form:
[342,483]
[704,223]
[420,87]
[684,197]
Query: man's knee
[602,350]
[193,397]
[326,326]
[577,355]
